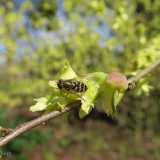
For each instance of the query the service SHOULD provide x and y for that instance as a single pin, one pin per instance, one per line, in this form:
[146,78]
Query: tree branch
[132,81]
[10,134]
[13,133]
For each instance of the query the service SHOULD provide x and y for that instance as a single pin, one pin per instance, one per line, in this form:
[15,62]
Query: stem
[13,133]
[132,81]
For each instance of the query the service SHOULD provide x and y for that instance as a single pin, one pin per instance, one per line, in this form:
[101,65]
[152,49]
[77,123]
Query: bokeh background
[38,36]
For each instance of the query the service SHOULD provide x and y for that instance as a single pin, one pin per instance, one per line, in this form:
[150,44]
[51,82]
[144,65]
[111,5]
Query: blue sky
[103,30]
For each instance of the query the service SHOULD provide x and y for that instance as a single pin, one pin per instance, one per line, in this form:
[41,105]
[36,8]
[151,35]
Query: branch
[10,134]
[132,81]
[13,133]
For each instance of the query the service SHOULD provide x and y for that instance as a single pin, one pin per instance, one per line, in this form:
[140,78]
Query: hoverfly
[72,85]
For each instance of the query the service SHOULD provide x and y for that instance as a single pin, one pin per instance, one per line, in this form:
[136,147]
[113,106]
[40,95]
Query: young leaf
[67,72]
[85,109]
[40,105]
[100,87]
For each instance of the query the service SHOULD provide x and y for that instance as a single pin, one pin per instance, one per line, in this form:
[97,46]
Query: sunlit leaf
[100,87]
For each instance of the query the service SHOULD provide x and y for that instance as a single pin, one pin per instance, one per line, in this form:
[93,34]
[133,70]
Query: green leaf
[115,100]
[100,87]
[106,105]
[117,97]
[106,97]
[51,108]
[113,91]
[109,104]
[60,102]
[67,72]
[85,109]
[40,105]
[53,84]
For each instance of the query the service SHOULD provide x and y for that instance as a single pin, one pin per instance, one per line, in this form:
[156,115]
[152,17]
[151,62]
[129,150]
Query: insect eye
[60,81]
[60,84]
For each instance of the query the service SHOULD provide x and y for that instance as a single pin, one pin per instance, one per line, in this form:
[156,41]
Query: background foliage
[38,37]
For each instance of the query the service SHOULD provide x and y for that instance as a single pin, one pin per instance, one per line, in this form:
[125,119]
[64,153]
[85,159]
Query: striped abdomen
[71,85]
[79,86]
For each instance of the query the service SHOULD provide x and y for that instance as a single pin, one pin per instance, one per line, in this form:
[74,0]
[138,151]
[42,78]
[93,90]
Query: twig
[13,133]
[132,81]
